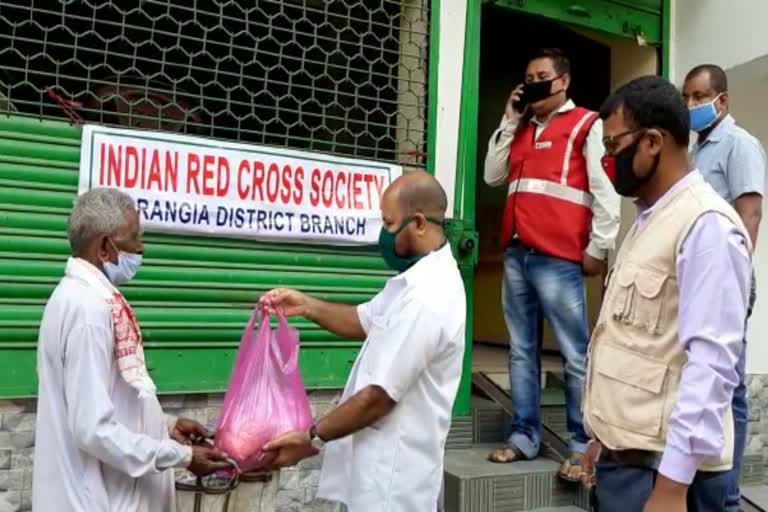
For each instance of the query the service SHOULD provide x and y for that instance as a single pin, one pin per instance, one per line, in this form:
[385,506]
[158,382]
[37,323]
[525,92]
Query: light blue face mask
[703,116]
[128,265]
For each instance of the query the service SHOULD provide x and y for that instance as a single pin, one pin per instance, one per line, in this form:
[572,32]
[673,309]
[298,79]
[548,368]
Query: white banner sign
[184,184]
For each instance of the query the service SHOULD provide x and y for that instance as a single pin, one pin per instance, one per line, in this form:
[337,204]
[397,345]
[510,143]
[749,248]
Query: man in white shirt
[102,442]
[560,220]
[386,439]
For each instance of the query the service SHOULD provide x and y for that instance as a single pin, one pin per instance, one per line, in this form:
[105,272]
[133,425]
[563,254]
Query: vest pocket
[639,300]
[626,389]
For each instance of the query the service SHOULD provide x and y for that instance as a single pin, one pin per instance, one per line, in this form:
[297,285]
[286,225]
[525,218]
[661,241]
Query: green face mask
[389,253]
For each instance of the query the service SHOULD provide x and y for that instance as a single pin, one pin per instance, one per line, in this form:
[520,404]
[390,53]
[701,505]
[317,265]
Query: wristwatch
[314,438]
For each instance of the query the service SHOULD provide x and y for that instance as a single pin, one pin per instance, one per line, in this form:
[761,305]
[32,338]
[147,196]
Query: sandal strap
[500,455]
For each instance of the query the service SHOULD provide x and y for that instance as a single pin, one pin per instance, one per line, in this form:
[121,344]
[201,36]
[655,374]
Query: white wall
[723,32]
[732,35]
[748,85]
[453,16]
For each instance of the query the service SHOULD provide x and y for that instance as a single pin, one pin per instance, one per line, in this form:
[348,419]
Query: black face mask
[621,167]
[535,91]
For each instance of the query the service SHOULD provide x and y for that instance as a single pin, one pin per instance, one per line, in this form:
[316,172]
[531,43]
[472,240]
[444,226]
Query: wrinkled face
[540,70]
[127,238]
[698,90]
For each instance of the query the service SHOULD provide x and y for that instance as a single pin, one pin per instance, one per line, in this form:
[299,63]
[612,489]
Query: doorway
[599,64]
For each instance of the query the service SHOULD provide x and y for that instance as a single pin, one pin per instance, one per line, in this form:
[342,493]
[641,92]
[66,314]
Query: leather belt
[517,244]
[644,459]
[637,458]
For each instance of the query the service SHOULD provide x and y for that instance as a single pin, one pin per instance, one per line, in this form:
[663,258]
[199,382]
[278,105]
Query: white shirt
[606,203]
[98,446]
[414,350]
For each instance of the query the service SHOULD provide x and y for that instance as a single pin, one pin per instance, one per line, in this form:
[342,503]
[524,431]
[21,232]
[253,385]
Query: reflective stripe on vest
[551,189]
[569,147]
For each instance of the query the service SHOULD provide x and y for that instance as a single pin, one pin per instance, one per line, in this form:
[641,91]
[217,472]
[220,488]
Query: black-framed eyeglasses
[611,143]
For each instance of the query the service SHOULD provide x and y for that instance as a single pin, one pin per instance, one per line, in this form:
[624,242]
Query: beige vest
[635,356]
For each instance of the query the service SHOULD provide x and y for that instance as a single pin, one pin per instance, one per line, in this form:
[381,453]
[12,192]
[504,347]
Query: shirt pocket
[628,389]
[371,470]
[639,298]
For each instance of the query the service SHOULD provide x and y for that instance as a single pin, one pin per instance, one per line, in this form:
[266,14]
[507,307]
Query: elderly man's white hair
[98,212]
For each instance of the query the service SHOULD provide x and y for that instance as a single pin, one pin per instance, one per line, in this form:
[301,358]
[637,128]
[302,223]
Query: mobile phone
[520,104]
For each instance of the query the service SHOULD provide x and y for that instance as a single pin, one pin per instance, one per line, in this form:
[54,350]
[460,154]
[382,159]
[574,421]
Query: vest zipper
[517,188]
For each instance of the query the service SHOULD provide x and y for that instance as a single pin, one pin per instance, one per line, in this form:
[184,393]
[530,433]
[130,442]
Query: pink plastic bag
[266,396]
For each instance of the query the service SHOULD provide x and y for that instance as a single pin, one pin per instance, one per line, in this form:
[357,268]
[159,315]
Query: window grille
[340,76]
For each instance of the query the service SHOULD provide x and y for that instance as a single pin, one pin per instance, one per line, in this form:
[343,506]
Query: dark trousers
[621,488]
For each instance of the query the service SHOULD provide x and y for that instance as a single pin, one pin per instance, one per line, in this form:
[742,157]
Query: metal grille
[341,76]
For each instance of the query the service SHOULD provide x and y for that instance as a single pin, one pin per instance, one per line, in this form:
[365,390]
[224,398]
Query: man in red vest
[561,219]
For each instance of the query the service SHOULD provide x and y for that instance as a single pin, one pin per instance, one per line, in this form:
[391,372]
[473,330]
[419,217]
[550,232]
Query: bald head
[419,192]
[413,209]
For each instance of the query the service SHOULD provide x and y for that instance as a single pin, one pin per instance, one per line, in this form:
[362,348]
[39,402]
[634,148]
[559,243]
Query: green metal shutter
[192,297]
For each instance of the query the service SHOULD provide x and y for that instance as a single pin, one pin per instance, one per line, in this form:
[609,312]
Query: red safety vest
[549,204]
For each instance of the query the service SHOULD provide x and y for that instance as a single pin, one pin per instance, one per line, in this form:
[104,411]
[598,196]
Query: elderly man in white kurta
[103,443]
[386,439]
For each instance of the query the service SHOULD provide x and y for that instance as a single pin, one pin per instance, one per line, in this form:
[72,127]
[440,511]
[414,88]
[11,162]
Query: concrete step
[490,422]
[756,494]
[472,484]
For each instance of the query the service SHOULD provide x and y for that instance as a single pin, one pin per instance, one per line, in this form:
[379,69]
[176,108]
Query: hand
[667,496]
[509,111]
[592,266]
[291,449]
[206,460]
[588,463]
[189,432]
[291,302]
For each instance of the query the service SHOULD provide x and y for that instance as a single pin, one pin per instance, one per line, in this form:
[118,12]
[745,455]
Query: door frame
[464,207]
[466,173]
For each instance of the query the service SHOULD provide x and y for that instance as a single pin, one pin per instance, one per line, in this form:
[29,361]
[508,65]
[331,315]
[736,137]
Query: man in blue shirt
[733,162]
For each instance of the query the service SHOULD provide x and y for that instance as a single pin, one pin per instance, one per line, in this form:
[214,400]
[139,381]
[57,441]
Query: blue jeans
[740,417]
[534,282]
[627,489]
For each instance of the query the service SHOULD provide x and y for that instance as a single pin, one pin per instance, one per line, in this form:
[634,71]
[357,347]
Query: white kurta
[414,350]
[98,446]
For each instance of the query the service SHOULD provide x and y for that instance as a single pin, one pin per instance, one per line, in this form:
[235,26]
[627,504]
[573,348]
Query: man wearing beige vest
[662,359]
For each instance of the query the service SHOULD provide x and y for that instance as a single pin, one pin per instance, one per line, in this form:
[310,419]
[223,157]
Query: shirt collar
[643,212]
[79,268]
[425,266]
[565,107]
[721,129]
